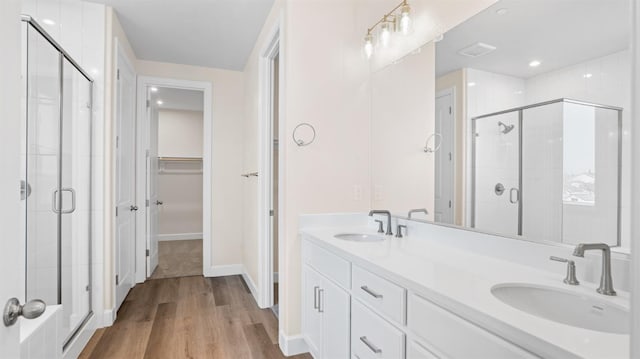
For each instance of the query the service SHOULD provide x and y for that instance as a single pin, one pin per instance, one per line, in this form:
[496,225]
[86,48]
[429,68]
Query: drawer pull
[320,295]
[315,297]
[370,292]
[370,345]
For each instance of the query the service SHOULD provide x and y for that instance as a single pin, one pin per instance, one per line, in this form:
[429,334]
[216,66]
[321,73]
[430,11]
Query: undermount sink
[565,307]
[359,237]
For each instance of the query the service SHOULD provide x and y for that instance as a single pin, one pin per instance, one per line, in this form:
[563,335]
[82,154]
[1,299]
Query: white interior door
[444,159]
[152,189]
[12,242]
[125,179]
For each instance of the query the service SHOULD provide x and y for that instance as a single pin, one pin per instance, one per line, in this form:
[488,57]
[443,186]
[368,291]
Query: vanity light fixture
[159,102]
[534,63]
[154,89]
[587,76]
[471,84]
[396,20]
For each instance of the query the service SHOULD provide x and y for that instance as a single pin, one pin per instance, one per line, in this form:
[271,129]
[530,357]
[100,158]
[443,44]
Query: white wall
[180,133]
[227,143]
[401,120]
[180,183]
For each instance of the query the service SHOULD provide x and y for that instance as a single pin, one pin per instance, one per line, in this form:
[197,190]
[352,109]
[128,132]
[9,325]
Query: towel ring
[428,149]
[301,142]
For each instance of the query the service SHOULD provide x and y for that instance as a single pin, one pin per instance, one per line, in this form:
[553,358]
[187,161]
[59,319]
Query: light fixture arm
[386,16]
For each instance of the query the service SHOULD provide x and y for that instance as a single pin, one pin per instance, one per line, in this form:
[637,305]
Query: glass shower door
[496,170]
[75,191]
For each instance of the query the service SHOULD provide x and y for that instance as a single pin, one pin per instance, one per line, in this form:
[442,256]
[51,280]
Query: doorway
[174,151]
[444,157]
[174,181]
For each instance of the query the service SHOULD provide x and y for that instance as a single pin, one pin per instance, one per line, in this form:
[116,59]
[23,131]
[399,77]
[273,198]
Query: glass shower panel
[42,176]
[542,164]
[590,174]
[75,203]
[497,173]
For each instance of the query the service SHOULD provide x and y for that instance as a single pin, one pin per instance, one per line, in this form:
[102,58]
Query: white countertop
[461,281]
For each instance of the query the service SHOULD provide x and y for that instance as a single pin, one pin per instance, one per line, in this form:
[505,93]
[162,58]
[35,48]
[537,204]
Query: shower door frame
[64,55]
[520,111]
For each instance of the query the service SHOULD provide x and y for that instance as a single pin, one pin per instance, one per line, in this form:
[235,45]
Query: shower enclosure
[548,171]
[56,186]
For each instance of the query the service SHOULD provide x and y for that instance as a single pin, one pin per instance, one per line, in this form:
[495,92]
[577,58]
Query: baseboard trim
[179,236]
[108,317]
[224,270]
[251,285]
[292,345]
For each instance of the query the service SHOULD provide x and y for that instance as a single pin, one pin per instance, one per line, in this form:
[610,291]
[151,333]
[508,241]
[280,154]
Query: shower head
[507,128]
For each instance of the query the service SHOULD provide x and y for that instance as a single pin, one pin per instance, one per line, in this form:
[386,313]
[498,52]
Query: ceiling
[210,33]
[558,33]
[178,99]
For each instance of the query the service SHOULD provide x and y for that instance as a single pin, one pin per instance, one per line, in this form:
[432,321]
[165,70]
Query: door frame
[272,48]
[207,158]
[454,149]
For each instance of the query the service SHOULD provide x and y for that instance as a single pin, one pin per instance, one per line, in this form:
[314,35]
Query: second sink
[565,307]
[359,237]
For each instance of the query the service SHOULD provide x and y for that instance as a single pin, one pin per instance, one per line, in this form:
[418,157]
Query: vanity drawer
[372,336]
[327,263]
[455,337]
[416,350]
[379,293]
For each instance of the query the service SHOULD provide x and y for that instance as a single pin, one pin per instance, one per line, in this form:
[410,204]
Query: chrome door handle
[133,208]
[13,309]
[370,292]
[373,348]
[517,192]
[54,201]
[159,203]
[315,297]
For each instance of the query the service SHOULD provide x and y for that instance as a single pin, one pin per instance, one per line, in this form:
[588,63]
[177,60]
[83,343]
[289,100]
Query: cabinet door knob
[30,310]
[133,208]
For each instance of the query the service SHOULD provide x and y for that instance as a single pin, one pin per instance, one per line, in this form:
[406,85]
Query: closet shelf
[181,159]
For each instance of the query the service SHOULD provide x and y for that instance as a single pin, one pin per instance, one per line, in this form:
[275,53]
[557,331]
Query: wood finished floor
[189,317]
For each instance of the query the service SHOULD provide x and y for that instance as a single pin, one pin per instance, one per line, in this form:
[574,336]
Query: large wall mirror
[529,134]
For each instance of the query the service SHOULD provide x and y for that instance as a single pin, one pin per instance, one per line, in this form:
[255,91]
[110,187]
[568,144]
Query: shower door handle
[511,192]
[54,202]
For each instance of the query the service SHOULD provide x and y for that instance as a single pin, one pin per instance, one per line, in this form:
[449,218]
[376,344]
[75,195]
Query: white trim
[224,270]
[635,169]
[265,150]
[250,284]
[207,178]
[179,236]
[80,341]
[292,345]
[451,91]
[108,317]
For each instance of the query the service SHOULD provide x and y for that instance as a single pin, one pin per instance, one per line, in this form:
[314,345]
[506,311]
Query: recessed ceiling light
[502,11]
[154,89]
[159,102]
[587,76]
[48,22]
[471,84]
[535,63]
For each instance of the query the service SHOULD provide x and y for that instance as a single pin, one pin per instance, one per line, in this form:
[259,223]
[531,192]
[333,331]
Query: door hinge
[116,211]
[450,156]
[147,252]
[117,141]
[118,74]
[117,280]
[148,103]
[450,110]
[271,212]
[87,288]
[146,202]
[449,204]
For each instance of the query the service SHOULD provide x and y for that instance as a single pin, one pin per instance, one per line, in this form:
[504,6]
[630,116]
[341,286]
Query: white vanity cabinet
[326,308]
[350,311]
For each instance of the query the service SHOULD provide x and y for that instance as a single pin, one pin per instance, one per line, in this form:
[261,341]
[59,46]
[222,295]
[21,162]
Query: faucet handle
[380,229]
[399,230]
[570,279]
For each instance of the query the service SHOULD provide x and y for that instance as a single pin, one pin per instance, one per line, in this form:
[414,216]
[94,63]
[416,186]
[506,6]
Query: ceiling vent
[477,50]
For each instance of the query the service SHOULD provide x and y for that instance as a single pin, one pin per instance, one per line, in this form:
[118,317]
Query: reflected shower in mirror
[530,122]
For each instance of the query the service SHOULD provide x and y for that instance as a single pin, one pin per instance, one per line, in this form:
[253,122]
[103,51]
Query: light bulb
[385,34]
[368,45]
[405,19]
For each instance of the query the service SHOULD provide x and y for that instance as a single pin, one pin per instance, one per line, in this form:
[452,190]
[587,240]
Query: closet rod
[181,159]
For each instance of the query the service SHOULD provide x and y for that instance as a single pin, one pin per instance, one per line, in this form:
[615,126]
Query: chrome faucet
[417,210]
[388,214]
[606,283]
